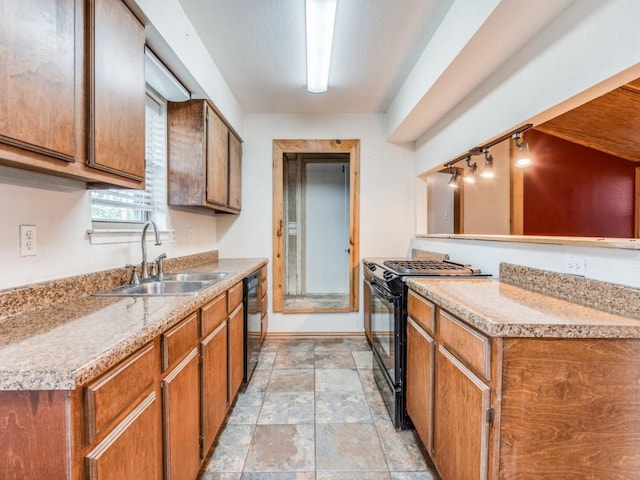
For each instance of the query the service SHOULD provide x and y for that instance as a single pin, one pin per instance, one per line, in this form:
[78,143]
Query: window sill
[111,236]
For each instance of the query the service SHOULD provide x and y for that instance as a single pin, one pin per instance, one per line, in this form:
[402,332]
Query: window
[126,208]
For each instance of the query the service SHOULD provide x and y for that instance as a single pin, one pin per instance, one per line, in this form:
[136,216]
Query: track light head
[454,181]
[487,170]
[470,175]
[523,159]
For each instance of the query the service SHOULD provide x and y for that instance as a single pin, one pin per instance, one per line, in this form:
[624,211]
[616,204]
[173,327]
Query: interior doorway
[315,210]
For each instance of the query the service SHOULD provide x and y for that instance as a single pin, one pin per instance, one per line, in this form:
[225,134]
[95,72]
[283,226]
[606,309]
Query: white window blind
[126,206]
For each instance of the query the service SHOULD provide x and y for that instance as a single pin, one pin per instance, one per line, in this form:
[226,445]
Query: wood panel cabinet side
[497,346]
[33,434]
[186,162]
[570,408]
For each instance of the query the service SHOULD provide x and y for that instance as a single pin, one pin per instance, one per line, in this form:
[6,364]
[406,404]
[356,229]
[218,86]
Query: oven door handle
[386,295]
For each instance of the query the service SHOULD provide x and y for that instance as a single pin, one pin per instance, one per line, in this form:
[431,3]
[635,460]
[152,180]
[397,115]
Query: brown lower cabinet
[213,366]
[552,408]
[131,450]
[420,362]
[180,400]
[236,351]
[152,416]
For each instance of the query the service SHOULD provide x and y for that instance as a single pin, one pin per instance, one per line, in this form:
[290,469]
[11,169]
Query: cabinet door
[420,359]
[116,90]
[235,172]
[132,450]
[37,76]
[181,417]
[236,351]
[214,384]
[461,428]
[217,159]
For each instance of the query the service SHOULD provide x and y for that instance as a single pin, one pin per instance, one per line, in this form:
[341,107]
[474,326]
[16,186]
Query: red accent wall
[572,190]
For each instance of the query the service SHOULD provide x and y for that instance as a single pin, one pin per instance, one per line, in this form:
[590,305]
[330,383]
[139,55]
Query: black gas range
[386,321]
[392,274]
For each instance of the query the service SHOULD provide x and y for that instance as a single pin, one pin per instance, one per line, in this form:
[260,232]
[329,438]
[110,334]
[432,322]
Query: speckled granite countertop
[63,346]
[502,310]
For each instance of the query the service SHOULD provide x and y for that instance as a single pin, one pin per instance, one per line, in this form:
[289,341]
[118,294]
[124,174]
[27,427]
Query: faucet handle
[159,263]
[134,276]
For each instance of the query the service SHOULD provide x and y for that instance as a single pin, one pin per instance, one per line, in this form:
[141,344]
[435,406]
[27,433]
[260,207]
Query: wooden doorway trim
[352,147]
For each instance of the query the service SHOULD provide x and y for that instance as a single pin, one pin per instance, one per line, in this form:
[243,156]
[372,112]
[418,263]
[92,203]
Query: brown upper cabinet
[204,159]
[37,86]
[62,113]
[116,89]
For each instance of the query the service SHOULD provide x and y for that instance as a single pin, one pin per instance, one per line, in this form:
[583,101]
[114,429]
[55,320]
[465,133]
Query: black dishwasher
[252,324]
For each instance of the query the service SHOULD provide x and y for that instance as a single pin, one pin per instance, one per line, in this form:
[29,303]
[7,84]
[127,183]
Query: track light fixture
[523,159]
[470,174]
[487,170]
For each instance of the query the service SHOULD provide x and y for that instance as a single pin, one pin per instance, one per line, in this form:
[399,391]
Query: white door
[327,228]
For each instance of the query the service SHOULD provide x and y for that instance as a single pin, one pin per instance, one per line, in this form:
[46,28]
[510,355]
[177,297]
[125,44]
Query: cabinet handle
[490,415]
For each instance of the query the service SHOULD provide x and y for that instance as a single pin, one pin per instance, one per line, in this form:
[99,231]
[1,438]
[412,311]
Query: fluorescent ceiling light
[321,17]
[158,76]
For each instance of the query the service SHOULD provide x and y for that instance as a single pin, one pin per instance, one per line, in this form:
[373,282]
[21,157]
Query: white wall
[386,199]
[487,202]
[585,46]
[62,218]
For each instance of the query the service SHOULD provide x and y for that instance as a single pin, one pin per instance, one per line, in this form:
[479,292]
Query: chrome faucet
[145,271]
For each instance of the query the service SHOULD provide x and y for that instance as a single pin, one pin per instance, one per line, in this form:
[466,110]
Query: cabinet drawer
[422,311]
[469,345]
[213,314]
[179,340]
[111,394]
[234,296]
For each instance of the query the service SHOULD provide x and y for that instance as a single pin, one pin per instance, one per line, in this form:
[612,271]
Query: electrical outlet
[28,240]
[575,265]
[190,234]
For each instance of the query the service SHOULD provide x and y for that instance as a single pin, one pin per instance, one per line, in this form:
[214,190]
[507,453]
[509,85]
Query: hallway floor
[312,411]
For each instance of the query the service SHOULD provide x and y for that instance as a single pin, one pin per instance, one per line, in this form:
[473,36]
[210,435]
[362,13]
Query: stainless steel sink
[211,277]
[156,288]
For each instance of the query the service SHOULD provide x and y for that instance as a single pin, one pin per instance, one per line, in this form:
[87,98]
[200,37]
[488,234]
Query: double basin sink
[171,284]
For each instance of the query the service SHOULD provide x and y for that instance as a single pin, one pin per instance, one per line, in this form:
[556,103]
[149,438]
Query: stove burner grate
[429,267]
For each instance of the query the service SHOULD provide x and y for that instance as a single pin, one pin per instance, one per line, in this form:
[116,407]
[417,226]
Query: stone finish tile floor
[312,411]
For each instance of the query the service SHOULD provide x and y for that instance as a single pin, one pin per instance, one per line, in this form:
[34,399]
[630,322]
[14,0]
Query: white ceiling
[259,47]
